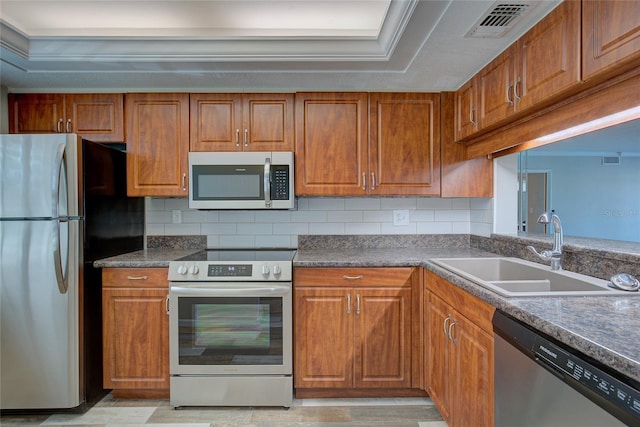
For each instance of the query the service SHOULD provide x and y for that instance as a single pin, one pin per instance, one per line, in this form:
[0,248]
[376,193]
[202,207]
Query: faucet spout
[555,255]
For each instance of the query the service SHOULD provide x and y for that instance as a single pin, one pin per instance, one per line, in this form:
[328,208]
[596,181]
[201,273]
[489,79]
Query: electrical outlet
[401,217]
[176,216]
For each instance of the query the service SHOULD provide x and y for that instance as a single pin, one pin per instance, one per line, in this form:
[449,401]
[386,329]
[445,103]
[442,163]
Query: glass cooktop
[269,254]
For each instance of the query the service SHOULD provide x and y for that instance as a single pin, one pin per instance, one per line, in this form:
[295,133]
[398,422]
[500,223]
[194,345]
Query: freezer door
[39,176]
[39,326]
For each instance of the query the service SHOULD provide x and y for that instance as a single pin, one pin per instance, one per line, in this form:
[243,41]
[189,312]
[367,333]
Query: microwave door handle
[267,182]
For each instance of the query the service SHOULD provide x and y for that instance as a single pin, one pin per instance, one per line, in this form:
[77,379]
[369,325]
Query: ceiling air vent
[611,160]
[498,20]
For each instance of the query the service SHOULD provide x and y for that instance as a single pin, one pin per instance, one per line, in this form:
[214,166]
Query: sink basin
[514,277]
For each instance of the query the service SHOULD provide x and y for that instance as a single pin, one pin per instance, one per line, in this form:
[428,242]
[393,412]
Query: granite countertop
[604,328]
[144,258]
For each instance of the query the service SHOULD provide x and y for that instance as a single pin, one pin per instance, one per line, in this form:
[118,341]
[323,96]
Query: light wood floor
[110,412]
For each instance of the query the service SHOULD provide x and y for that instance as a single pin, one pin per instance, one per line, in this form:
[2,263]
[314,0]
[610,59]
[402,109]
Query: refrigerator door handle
[57,182]
[59,189]
[61,278]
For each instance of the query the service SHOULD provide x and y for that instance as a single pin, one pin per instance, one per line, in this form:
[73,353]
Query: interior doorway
[538,199]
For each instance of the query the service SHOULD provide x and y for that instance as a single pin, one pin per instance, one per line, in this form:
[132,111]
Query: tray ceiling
[247,45]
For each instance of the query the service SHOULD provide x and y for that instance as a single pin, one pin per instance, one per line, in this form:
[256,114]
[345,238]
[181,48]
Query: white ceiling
[238,45]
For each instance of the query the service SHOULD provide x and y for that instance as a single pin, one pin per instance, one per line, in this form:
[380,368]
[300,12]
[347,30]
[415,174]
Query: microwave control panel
[279,182]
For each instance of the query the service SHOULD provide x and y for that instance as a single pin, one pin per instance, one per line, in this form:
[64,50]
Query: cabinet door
[466,110]
[157,144]
[549,56]
[404,154]
[473,384]
[216,122]
[136,338]
[495,89]
[268,122]
[383,337]
[610,36]
[323,337]
[331,143]
[36,113]
[438,365]
[97,117]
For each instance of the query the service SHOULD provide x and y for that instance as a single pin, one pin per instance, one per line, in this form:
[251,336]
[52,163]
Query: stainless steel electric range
[230,323]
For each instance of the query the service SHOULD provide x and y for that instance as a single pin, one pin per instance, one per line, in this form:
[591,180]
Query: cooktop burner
[269,254]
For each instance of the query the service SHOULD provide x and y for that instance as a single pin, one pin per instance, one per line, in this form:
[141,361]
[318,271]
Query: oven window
[230,331]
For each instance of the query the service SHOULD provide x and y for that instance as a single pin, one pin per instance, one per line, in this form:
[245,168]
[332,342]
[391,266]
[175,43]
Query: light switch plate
[401,217]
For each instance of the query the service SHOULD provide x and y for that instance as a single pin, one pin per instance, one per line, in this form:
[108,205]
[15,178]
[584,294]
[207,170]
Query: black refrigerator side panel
[114,224]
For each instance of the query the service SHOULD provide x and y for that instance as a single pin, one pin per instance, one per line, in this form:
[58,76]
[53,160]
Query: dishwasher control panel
[594,379]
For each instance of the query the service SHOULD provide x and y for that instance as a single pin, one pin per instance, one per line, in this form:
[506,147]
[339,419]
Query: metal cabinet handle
[472,110]
[515,90]
[237,137]
[137,277]
[184,182]
[509,87]
[360,277]
[348,303]
[166,304]
[68,126]
[60,125]
[450,332]
[444,324]
[246,137]
[373,181]
[364,181]
[357,303]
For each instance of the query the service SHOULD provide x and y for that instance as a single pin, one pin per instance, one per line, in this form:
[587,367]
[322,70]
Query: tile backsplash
[337,216]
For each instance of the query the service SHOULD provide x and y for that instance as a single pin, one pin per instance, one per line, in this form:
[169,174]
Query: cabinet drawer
[477,311]
[366,276]
[135,278]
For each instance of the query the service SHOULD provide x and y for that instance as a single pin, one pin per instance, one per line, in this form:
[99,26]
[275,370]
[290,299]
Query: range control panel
[230,270]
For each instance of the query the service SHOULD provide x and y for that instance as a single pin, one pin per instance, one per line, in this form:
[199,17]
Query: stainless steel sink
[514,277]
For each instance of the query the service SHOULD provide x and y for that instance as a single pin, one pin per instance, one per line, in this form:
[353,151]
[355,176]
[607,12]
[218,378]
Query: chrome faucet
[555,254]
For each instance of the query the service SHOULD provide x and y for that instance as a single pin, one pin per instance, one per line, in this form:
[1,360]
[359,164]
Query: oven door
[230,328]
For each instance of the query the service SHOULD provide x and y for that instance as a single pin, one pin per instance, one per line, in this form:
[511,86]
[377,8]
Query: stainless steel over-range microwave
[241,180]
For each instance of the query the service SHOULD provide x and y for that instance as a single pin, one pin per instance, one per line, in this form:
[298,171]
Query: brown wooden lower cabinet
[459,350]
[354,330]
[135,332]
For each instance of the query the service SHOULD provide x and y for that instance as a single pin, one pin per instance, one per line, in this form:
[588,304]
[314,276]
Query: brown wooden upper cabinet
[157,144]
[96,117]
[540,65]
[242,122]
[404,154]
[466,109]
[610,36]
[353,144]
[331,143]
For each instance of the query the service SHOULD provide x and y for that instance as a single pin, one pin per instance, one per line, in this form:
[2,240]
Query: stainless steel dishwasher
[540,382]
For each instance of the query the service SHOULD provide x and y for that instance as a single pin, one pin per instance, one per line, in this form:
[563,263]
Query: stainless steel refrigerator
[63,205]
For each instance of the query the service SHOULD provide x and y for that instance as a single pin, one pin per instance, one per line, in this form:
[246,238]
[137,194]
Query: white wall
[370,215]
[505,191]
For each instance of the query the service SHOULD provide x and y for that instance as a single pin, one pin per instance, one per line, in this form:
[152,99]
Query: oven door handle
[229,291]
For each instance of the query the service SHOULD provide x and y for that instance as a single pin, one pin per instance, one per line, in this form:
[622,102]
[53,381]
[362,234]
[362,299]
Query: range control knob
[265,271]
[194,269]
[181,269]
[277,271]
